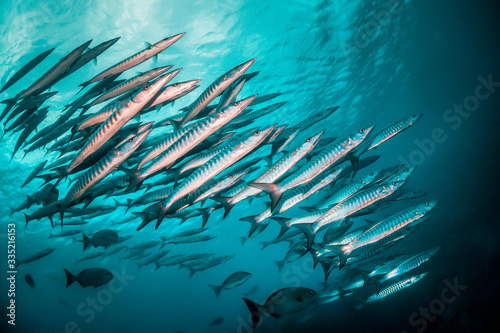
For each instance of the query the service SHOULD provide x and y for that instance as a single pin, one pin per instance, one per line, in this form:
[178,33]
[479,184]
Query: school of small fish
[211,156]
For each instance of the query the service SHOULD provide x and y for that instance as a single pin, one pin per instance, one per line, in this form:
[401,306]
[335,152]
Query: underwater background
[422,57]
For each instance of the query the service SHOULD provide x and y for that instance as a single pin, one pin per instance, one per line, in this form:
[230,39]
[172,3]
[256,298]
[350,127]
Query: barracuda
[102,168]
[135,82]
[327,157]
[188,141]
[277,170]
[410,264]
[117,120]
[214,90]
[216,165]
[385,228]
[54,74]
[247,118]
[394,288]
[172,92]
[136,59]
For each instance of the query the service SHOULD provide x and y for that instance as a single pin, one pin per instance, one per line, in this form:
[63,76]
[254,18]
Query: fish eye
[394,183]
[361,131]
[176,84]
[407,170]
[147,87]
[237,103]
[309,140]
[238,67]
[256,133]
[231,176]
[427,204]
[371,174]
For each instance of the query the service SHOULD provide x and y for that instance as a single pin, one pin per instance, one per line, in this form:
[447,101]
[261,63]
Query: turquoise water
[419,58]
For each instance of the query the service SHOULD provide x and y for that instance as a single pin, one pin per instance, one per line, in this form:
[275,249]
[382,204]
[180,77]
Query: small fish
[232,281]
[36,256]
[216,321]
[93,277]
[282,302]
[29,280]
[102,238]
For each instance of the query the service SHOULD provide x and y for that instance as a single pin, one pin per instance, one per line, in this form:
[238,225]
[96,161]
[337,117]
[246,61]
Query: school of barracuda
[205,158]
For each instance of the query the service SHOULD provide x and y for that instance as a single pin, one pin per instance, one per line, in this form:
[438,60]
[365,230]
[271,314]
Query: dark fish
[282,302]
[93,277]
[233,281]
[29,280]
[36,256]
[217,321]
[34,173]
[102,238]
[26,69]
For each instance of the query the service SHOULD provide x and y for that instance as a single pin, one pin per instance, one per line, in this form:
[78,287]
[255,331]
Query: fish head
[150,90]
[310,294]
[133,142]
[259,135]
[413,119]
[418,277]
[235,109]
[427,206]
[367,179]
[180,87]
[312,141]
[363,133]
[166,42]
[237,71]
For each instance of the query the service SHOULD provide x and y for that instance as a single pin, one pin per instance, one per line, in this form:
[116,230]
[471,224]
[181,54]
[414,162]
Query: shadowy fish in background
[232,281]
[282,302]
[102,238]
[93,277]
[217,321]
[35,256]
[29,280]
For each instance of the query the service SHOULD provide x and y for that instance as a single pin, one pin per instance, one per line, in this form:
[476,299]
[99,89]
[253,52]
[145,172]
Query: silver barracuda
[103,168]
[327,157]
[215,166]
[189,140]
[409,264]
[277,170]
[134,82]
[117,120]
[394,288]
[136,59]
[213,90]
[173,91]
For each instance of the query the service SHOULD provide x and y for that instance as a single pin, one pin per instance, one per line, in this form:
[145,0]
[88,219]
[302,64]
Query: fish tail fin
[70,278]
[354,162]
[205,214]
[280,264]
[144,223]
[343,251]
[273,191]
[86,242]
[157,265]
[26,216]
[136,179]
[308,231]
[243,240]
[176,123]
[316,258]
[29,201]
[83,85]
[174,173]
[283,223]
[268,159]
[255,309]
[216,289]
[129,204]
[225,202]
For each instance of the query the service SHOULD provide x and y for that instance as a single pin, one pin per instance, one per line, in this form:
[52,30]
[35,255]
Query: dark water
[421,57]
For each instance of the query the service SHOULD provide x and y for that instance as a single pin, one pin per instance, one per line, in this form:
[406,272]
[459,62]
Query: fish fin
[26,216]
[308,209]
[144,223]
[253,228]
[225,202]
[83,85]
[315,257]
[307,229]
[51,219]
[94,61]
[370,221]
[29,201]
[70,278]
[342,251]
[283,223]
[256,311]
[129,204]
[175,173]
[280,264]
[136,179]
[271,189]
[268,160]
[176,123]
[216,289]
[84,109]
[354,162]
[86,242]
[243,240]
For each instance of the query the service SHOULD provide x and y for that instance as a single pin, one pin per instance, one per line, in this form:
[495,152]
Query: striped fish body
[394,288]
[137,58]
[214,90]
[174,91]
[410,264]
[100,116]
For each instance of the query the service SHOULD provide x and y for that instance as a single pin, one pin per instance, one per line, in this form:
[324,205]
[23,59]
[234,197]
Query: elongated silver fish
[213,90]
[103,168]
[215,166]
[394,288]
[327,157]
[134,82]
[189,140]
[117,120]
[136,59]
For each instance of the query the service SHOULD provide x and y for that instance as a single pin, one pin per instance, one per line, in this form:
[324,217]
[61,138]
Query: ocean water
[379,61]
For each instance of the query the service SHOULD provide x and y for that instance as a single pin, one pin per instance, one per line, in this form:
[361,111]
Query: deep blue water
[424,57]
